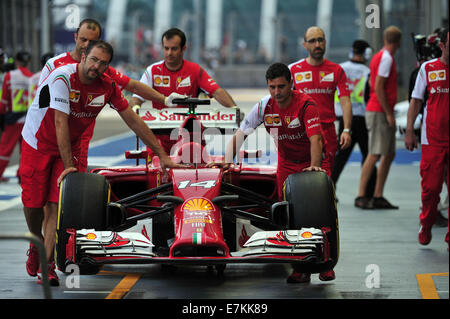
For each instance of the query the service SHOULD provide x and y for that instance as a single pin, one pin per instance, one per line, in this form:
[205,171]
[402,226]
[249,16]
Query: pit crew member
[292,119]
[89,30]
[432,79]
[66,103]
[320,78]
[14,106]
[175,74]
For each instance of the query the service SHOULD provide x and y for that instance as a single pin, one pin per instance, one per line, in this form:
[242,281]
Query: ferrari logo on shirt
[326,77]
[99,101]
[438,75]
[301,77]
[185,82]
[295,123]
[161,80]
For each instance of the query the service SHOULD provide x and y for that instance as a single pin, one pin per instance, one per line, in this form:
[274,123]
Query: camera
[426,47]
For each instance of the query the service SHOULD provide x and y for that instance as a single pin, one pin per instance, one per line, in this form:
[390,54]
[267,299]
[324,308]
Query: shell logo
[299,78]
[91,236]
[74,96]
[306,234]
[269,120]
[198,204]
[157,80]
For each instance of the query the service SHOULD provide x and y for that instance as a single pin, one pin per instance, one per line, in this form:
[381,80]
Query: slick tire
[312,203]
[83,200]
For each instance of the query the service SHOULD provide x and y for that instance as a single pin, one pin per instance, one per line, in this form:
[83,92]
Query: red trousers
[329,130]
[11,136]
[286,168]
[433,167]
[84,147]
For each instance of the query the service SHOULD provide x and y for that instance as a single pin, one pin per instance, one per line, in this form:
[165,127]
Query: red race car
[196,215]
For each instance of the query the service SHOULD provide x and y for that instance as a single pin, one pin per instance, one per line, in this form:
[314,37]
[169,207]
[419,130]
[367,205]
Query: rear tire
[82,204]
[312,203]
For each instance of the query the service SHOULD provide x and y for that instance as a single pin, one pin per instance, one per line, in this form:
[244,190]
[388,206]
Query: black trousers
[360,136]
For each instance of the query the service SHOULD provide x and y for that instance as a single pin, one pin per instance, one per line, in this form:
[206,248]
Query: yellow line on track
[426,285]
[124,286]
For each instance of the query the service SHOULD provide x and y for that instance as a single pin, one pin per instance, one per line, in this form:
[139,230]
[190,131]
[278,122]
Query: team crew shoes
[327,275]
[33,260]
[303,277]
[52,276]
[298,278]
[424,235]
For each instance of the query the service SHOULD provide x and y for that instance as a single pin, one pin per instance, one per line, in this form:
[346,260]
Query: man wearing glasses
[66,104]
[320,78]
[90,30]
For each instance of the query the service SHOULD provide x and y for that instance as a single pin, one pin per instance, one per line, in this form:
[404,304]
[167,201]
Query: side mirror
[279,214]
[136,154]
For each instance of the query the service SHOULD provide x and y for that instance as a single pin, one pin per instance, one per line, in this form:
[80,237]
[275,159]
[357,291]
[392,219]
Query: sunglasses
[311,41]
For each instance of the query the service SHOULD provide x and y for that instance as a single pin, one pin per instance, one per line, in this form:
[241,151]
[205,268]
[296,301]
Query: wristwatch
[347,130]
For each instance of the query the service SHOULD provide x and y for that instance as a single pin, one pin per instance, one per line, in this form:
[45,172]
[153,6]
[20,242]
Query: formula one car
[196,215]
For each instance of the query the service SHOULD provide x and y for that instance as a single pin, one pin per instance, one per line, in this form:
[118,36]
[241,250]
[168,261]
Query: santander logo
[167,116]
[148,117]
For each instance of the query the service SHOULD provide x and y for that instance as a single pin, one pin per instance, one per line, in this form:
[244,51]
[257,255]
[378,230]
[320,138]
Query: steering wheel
[191,103]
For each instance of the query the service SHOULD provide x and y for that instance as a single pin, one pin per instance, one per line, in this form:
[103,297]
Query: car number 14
[204,184]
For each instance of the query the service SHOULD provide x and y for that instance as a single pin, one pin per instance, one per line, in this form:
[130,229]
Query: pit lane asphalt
[380,257]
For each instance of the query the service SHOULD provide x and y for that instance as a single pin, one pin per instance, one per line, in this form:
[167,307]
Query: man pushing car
[66,103]
[292,119]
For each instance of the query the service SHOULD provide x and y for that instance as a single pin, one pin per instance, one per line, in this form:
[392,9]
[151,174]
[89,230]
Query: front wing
[307,245]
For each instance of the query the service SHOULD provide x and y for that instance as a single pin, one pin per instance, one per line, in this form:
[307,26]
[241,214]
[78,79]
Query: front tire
[312,203]
[82,204]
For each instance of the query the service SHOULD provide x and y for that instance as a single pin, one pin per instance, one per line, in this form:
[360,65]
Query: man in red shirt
[175,74]
[14,105]
[320,78]
[89,30]
[66,104]
[433,80]
[380,121]
[292,119]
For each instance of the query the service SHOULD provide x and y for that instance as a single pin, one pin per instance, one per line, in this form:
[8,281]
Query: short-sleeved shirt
[189,80]
[14,102]
[383,64]
[320,82]
[357,75]
[433,78]
[65,58]
[62,90]
[290,127]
